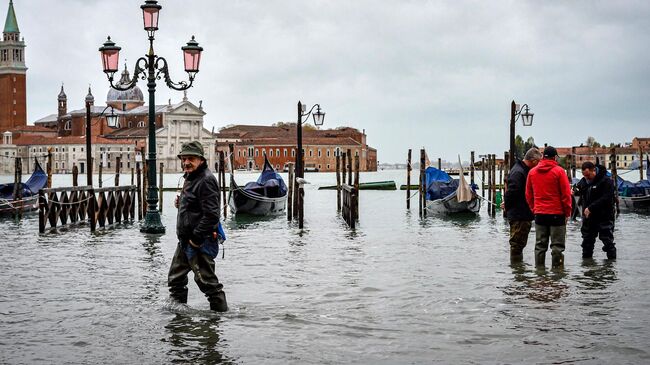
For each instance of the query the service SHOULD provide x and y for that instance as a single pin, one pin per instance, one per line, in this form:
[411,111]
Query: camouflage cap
[194,148]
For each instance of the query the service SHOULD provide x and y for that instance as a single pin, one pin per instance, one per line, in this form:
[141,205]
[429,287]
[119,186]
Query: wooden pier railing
[71,205]
[350,204]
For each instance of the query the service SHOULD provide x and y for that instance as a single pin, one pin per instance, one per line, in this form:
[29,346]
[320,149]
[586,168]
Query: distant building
[278,144]
[13,104]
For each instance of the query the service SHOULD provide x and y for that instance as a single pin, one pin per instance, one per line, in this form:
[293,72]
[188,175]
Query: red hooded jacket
[548,190]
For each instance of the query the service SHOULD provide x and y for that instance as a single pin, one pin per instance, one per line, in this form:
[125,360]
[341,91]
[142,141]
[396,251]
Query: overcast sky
[438,74]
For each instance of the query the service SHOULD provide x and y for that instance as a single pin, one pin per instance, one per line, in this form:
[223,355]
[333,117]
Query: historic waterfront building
[13,104]
[278,144]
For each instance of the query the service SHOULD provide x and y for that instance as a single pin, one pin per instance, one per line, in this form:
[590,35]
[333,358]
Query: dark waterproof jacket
[517,208]
[598,196]
[198,208]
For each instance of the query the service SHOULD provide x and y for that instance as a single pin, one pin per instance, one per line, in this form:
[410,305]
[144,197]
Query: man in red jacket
[548,194]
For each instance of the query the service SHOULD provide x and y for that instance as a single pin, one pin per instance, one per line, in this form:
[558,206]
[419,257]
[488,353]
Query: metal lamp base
[152,223]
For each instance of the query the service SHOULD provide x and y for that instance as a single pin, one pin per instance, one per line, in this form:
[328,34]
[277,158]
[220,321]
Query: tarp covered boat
[633,196]
[29,200]
[447,195]
[267,195]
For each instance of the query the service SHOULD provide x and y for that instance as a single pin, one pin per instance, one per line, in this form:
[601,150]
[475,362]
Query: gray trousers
[557,236]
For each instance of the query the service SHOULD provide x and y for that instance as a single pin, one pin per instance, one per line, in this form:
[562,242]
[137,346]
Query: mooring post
[161,187]
[18,187]
[49,167]
[41,211]
[356,186]
[612,156]
[439,163]
[222,185]
[145,181]
[421,188]
[75,175]
[343,167]
[350,167]
[92,216]
[494,185]
[100,171]
[408,180]
[489,183]
[118,166]
[471,168]
[483,177]
[338,182]
[138,192]
[132,176]
[504,185]
[291,180]
[640,163]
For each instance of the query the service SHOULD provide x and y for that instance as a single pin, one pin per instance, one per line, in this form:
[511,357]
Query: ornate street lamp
[527,121]
[319,118]
[152,67]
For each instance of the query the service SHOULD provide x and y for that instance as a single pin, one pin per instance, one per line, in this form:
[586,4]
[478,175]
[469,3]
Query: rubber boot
[611,254]
[180,297]
[558,260]
[218,302]
[516,255]
[540,259]
[586,254]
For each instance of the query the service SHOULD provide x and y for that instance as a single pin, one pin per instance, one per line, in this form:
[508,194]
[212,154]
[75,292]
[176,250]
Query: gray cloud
[439,74]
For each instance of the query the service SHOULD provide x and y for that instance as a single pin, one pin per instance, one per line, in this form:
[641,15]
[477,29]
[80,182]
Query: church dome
[133,95]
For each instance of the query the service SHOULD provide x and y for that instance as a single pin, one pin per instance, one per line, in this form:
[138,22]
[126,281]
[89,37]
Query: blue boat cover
[36,182]
[270,184]
[627,188]
[439,184]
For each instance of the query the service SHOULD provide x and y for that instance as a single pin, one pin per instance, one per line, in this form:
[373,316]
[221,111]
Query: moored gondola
[267,195]
[29,200]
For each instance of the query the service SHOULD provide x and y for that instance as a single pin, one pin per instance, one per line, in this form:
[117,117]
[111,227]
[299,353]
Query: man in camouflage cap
[198,230]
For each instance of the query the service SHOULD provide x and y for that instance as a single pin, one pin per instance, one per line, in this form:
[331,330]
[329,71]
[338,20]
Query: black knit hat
[550,152]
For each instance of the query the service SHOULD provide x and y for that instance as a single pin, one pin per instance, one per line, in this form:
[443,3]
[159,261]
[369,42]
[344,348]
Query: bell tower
[13,98]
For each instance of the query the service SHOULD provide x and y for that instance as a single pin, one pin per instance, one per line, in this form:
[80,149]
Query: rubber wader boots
[611,255]
[558,260]
[218,302]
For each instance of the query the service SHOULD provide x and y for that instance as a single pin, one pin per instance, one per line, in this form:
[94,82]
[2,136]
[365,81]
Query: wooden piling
[145,181]
[100,171]
[640,163]
[75,175]
[291,181]
[118,167]
[471,168]
[18,187]
[483,177]
[138,173]
[343,167]
[494,185]
[222,176]
[612,156]
[350,166]
[489,182]
[421,191]
[49,167]
[160,190]
[408,181]
[338,183]
[356,186]
[132,176]
[439,163]
[92,214]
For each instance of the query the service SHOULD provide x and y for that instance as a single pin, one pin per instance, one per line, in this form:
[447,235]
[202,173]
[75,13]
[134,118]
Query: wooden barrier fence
[70,205]
[350,204]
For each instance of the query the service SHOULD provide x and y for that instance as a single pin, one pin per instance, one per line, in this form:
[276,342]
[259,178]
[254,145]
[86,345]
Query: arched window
[130,124]
[68,125]
[271,152]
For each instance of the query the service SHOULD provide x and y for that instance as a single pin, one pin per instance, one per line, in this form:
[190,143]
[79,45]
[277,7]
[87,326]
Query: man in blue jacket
[517,211]
[597,192]
[197,229]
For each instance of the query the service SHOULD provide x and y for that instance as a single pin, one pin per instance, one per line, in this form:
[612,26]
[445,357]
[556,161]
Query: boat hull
[28,204]
[449,205]
[242,202]
[634,203]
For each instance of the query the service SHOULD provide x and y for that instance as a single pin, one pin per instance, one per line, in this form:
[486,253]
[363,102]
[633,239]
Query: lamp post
[319,118]
[111,119]
[527,120]
[152,67]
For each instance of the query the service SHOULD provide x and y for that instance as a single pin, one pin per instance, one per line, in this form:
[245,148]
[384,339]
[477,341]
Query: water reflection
[151,244]
[195,340]
[537,284]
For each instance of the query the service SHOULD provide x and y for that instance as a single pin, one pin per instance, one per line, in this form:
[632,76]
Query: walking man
[198,230]
[597,192]
[548,194]
[518,213]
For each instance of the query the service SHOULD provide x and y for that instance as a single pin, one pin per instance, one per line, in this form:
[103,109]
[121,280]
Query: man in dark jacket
[548,194]
[597,192]
[517,211]
[197,230]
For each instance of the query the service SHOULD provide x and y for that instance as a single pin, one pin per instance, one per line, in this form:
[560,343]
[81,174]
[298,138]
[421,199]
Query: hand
[176,201]
[587,212]
[503,205]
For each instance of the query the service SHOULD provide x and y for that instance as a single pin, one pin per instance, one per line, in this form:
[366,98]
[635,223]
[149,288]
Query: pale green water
[397,290]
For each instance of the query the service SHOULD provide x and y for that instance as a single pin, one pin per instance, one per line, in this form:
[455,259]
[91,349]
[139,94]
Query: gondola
[267,195]
[633,196]
[29,200]
[445,195]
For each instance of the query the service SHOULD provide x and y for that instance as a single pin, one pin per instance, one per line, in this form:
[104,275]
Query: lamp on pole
[111,120]
[526,118]
[152,67]
[319,118]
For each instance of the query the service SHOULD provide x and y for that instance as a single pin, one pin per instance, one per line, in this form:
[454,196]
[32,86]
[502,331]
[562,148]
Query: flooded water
[397,290]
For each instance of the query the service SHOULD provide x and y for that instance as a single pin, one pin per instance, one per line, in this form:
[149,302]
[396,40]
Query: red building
[278,144]
[13,104]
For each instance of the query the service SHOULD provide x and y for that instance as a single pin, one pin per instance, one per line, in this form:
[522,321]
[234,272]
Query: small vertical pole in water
[504,185]
[483,177]
[138,173]
[640,162]
[350,167]
[471,168]
[489,183]
[100,170]
[291,181]
[75,175]
[439,163]
[161,186]
[338,182]
[494,185]
[356,185]
[421,198]
[49,167]
[612,156]
[145,182]
[18,187]
[222,186]
[408,181]
[118,161]
[132,176]
[92,216]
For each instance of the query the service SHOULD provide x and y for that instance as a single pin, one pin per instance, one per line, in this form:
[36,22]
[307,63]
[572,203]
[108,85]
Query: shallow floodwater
[397,290]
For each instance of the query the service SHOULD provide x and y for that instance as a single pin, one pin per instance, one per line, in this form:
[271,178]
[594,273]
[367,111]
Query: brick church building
[13,108]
